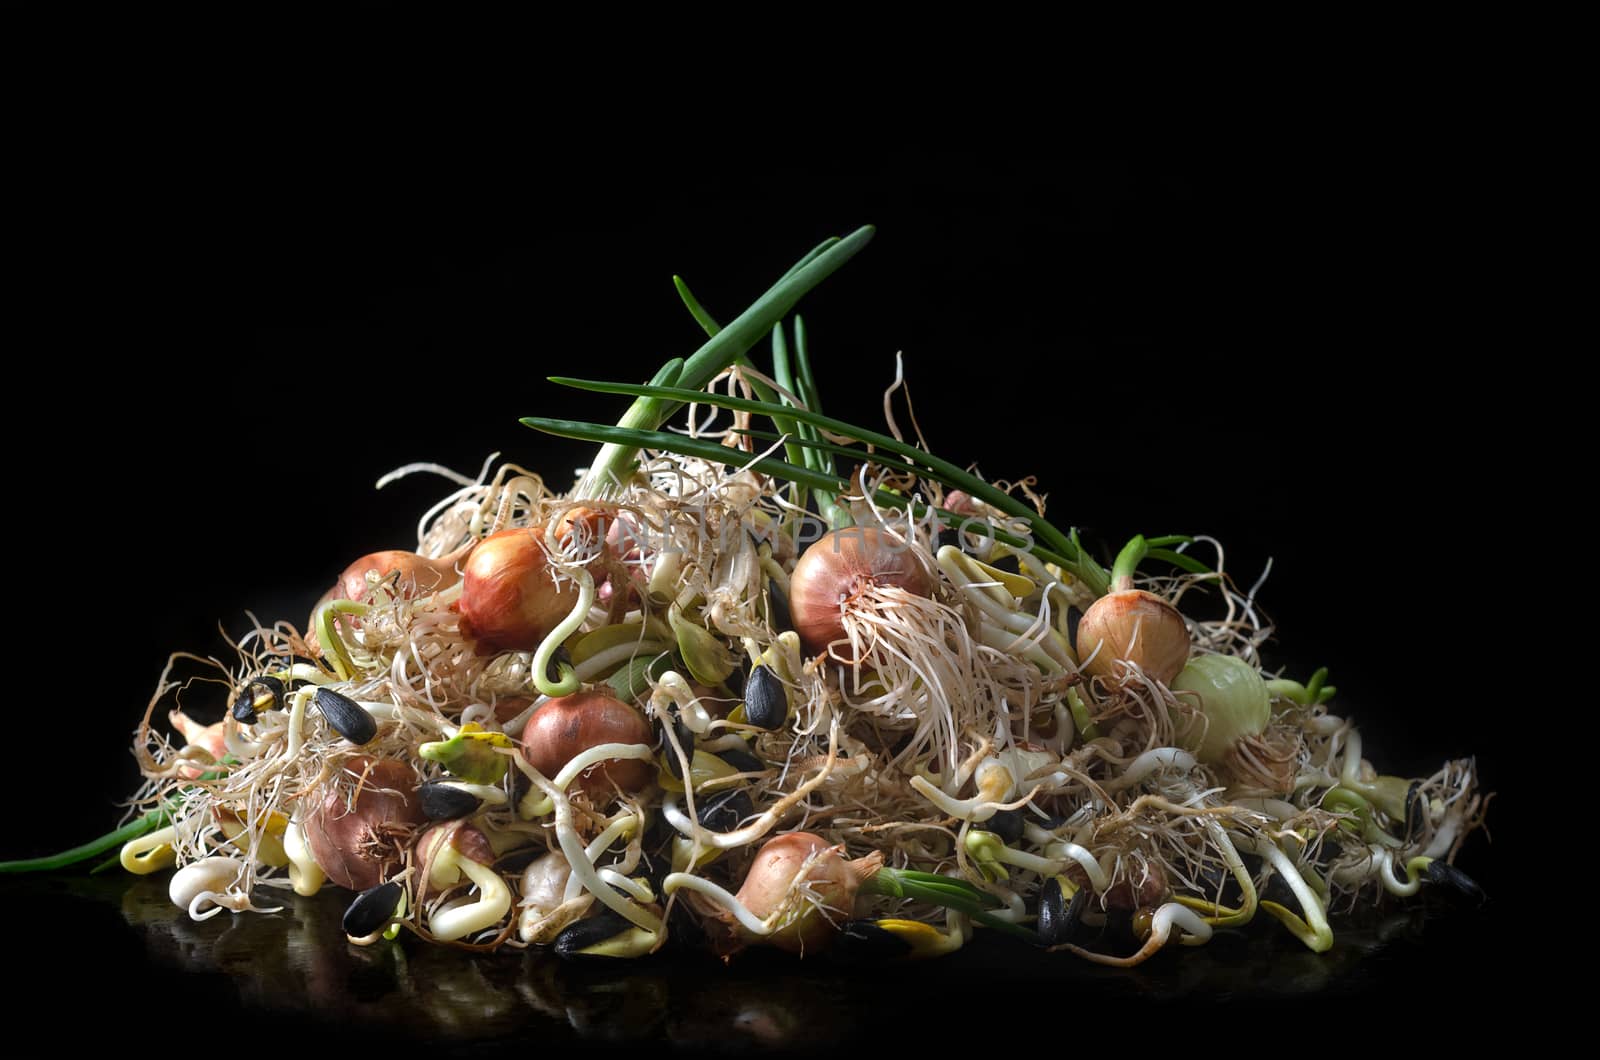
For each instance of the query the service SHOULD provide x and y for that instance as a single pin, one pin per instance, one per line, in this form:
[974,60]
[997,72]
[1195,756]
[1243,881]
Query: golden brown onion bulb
[1137,627]
[773,884]
[836,572]
[565,727]
[418,574]
[509,601]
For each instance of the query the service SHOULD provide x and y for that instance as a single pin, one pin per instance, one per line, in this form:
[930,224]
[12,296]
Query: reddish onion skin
[418,574]
[507,708]
[1137,626]
[769,884]
[835,571]
[589,523]
[346,843]
[508,601]
[623,541]
[565,727]
[210,738]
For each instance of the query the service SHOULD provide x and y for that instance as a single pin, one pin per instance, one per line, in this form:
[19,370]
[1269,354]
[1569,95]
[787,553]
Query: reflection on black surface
[298,967]
[298,962]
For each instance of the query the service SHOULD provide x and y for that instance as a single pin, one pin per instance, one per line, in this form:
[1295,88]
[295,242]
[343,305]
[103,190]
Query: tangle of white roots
[957,711]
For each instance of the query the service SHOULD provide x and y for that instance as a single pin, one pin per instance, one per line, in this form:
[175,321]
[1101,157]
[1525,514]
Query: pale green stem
[328,634]
[1313,930]
[569,682]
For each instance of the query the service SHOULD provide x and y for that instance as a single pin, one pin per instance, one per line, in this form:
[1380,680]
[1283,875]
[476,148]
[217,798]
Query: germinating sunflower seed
[587,937]
[259,693]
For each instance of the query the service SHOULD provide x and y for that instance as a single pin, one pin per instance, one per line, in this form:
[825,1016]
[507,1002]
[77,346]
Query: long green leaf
[791,446]
[696,310]
[132,830]
[795,454]
[941,470]
[860,455]
[808,382]
[836,514]
[707,449]
[816,252]
[943,891]
[613,463]
[1181,559]
[702,448]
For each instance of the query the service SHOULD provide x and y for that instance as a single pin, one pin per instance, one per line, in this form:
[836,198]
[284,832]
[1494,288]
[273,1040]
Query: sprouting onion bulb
[355,841]
[563,728]
[509,601]
[1233,701]
[418,574]
[813,898]
[1132,625]
[845,569]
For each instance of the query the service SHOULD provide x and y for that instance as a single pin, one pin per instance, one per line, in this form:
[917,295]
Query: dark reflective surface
[115,948]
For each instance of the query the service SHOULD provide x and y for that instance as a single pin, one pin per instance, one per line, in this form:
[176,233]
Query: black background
[1278,351]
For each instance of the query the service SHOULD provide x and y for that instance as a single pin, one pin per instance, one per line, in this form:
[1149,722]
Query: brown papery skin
[775,870]
[508,707]
[509,602]
[593,522]
[418,574]
[833,573]
[1137,626]
[565,727]
[347,844]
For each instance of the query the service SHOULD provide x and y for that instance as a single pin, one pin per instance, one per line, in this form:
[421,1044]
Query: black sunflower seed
[725,810]
[743,761]
[1443,873]
[1007,824]
[444,801]
[348,718]
[1060,919]
[766,701]
[258,693]
[578,936]
[372,909]
[1416,810]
